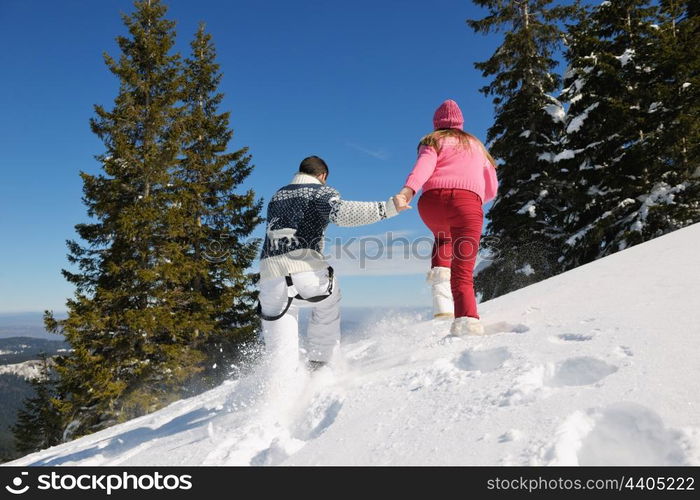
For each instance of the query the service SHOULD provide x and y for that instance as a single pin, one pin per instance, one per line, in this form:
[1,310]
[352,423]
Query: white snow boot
[467,326]
[443,305]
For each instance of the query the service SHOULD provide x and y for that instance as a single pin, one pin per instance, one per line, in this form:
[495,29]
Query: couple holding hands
[457,176]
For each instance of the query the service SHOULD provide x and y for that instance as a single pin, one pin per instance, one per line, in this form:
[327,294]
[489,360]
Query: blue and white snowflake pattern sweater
[297,217]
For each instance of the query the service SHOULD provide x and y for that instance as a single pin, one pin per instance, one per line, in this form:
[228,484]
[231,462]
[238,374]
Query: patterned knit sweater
[297,217]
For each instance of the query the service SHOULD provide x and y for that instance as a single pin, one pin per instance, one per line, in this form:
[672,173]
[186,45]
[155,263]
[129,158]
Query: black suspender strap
[290,298]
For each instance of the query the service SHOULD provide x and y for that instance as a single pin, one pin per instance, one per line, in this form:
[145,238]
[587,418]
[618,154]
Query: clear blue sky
[353,82]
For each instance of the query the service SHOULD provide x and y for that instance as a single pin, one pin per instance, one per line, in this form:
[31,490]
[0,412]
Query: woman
[457,175]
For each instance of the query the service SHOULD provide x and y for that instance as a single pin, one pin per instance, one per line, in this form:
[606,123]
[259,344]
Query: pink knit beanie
[448,115]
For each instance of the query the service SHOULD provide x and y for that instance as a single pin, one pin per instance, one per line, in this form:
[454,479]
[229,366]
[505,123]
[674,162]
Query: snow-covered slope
[27,369]
[599,365]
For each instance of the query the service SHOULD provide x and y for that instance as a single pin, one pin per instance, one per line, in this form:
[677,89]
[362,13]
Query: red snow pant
[455,217]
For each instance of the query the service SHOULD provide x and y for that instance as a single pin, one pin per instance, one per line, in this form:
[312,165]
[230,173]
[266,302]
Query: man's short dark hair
[313,165]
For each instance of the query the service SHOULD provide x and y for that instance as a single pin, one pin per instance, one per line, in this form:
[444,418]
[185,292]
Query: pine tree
[609,159]
[131,350]
[163,298]
[39,424]
[214,223]
[673,120]
[524,140]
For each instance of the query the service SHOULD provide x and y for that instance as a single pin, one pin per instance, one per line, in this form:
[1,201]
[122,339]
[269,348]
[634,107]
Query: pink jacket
[454,168]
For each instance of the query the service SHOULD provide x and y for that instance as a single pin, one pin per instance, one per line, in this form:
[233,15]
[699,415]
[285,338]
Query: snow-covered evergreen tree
[613,133]
[673,120]
[524,140]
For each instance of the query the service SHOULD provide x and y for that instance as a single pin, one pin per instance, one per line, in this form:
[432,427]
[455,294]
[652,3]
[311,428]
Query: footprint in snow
[510,435]
[571,337]
[623,351]
[505,327]
[486,360]
[583,370]
[620,434]
[270,443]
[540,380]
[280,448]
[320,415]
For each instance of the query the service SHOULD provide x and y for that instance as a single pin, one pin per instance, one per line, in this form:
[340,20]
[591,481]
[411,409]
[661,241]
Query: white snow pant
[282,336]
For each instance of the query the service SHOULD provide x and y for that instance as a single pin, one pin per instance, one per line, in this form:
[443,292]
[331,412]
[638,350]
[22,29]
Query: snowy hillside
[595,366]
[28,369]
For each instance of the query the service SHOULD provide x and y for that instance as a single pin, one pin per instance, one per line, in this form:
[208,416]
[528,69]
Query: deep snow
[595,366]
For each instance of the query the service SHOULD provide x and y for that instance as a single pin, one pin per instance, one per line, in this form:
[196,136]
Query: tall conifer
[128,354]
[613,106]
[39,424]
[213,249]
[672,103]
[524,140]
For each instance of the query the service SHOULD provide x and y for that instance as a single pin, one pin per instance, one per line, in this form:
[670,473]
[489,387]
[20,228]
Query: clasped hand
[402,199]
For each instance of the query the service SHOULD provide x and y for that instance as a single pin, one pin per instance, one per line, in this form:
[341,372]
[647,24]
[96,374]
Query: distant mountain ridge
[15,350]
[26,324]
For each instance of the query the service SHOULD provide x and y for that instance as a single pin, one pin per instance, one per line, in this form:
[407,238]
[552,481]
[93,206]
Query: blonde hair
[434,140]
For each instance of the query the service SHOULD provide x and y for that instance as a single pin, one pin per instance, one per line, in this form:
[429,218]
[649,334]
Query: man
[293,271]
